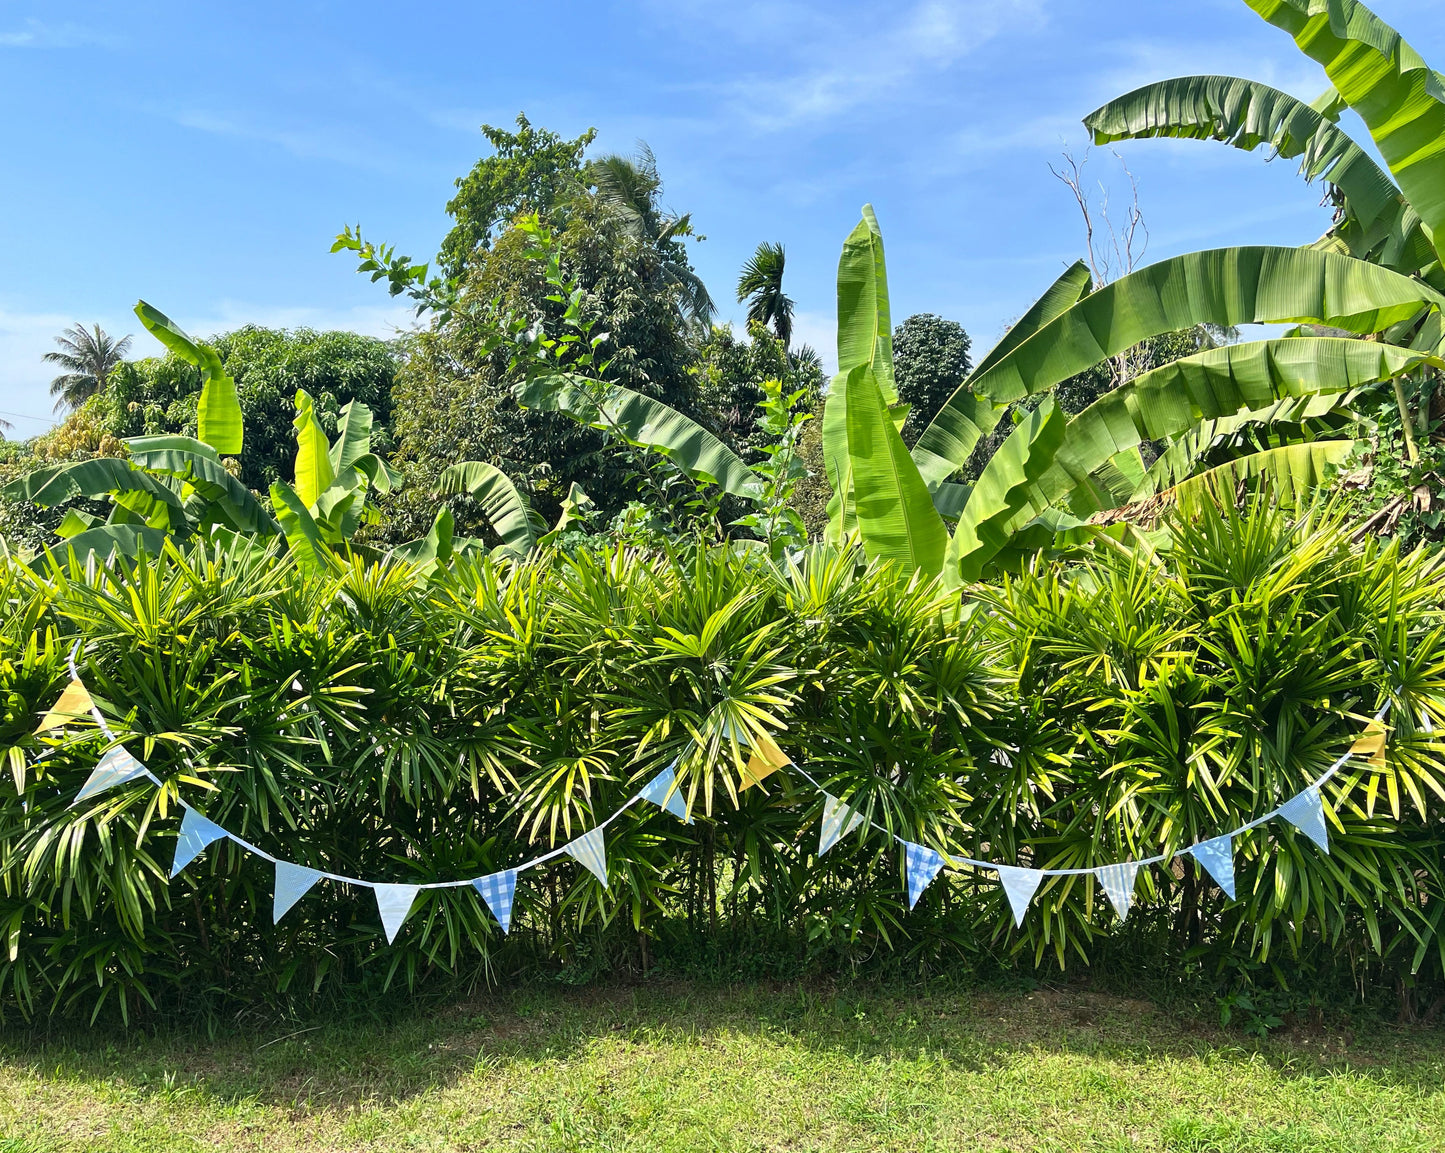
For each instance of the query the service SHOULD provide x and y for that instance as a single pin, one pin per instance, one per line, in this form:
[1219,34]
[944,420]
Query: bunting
[74,705]
[663,792]
[1306,812]
[922,864]
[1217,857]
[394,903]
[196,833]
[1019,885]
[1118,883]
[115,768]
[498,890]
[292,883]
[838,821]
[764,760]
[591,850]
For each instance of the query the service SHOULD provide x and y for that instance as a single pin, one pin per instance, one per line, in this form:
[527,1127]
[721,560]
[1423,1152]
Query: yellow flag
[766,759]
[73,705]
[1372,741]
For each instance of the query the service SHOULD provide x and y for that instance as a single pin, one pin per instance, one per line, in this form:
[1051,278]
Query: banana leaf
[303,536]
[1400,98]
[504,506]
[150,498]
[127,540]
[198,465]
[1293,472]
[435,549]
[218,413]
[314,473]
[896,517]
[644,422]
[353,436]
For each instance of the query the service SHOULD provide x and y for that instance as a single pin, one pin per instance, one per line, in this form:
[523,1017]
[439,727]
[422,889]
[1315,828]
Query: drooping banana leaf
[949,499]
[896,517]
[314,474]
[1225,286]
[644,422]
[148,497]
[303,536]
[127,540]
[353,436]
[218,413]
[1292,471]
[199,466]
[504,506]
[339,510]
[430,552]
[950,437]
[1400,98]
[1002,491]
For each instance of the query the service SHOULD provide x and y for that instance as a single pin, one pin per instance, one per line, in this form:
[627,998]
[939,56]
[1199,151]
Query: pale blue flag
[1306,812]
[591,850]
[394,903]
[838,821]
[1020,885]
[115,768]
[1217,857]
[922,864]
[196,833]
[292,883]
[498,889]
[663,792]
[1118,882]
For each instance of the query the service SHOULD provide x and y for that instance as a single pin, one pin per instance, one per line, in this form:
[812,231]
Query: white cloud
[339,145]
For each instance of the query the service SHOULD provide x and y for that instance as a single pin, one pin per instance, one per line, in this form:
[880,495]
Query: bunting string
[1305,811]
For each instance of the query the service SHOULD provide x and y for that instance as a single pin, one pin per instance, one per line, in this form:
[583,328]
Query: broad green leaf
[303,536]
[434,549]
[353,436]
[1398,96]
[950,438]
[1002,491]
[338,510]
[949,498]
[218,413]
[125,540]
[647,423]
[314,474]
[150,498]
[505,507]
[75,522]
[576,508]
[896,517]
[379,475]
[188,460]
[1224,286]
[1293,473]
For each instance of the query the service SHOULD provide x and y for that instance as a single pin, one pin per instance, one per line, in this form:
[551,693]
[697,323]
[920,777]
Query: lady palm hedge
[372,721]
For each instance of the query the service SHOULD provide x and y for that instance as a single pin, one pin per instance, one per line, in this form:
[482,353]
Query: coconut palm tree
[761,286]
[88,358]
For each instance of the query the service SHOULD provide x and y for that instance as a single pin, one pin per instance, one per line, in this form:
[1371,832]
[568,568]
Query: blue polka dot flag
[1217,856]
[292,883]
[498,890]
[1306,812]
[196,833]
[922,864]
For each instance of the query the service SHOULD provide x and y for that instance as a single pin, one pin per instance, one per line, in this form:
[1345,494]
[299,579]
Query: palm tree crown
[761,285]
[88,357]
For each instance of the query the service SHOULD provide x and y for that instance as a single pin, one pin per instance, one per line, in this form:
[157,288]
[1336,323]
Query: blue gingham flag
[1217,856]
[1020,885]
[591,850]
[498,889]
[838,821]
[923,865]
[1306,812]
[196,833]
[292,883]
[1118,882]
[663,792]
[394,903]
[115,768]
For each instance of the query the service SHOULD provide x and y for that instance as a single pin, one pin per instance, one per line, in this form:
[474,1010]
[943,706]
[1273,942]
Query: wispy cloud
[37,34]
[338,145]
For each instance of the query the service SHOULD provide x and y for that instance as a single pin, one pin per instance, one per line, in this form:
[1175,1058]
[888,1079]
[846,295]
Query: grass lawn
[677,1067]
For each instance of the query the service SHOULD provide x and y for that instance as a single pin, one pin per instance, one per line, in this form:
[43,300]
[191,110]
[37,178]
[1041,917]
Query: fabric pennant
[196,833]
[663,792]
[838,821]
[922,864]
[497,890]
[1306,812]
[292,883]
[591,850]
[1217,857]
[115,768]
[1118,882]
[1020,885]
[394,903]
[765,760]
[1372,743]
[74,705]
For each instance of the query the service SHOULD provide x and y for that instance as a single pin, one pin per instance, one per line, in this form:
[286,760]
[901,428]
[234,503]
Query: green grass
[675,1067]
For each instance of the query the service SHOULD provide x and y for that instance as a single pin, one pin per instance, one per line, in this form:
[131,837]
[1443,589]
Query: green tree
[760,285]
[930,361]
[88,357]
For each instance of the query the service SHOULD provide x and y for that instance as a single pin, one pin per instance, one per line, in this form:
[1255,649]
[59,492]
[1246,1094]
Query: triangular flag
[1217,856]
[663,792]
[196,833]
[394,902]
[292,883]
[1020,885]
[115,768]
[498,889]
[838,821]
[922,864]
[1372,742]
[1118,882]
[73,705]
[591,850]
[1306,812]
[766,759]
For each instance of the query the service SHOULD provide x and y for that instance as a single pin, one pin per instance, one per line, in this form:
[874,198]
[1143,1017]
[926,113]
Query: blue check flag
[1118,882]
[591,850]
[663,792]
[1306,812]
[115,768]
[922,864]
[838,821]
[1020,885]
[292,883]
[394,903]
[1217,856]
[196,833]
[498,889]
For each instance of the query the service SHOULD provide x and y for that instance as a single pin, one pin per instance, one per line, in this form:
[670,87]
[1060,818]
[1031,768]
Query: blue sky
[203,156]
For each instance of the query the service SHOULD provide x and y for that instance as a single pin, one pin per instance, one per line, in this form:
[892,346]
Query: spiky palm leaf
[88,357]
